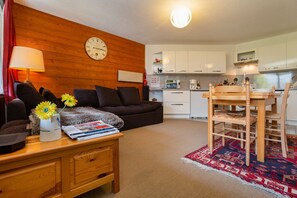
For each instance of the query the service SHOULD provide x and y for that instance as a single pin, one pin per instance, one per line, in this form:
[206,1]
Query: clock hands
[98,49]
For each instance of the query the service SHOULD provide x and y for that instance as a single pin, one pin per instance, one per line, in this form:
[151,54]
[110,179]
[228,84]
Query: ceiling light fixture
[180,16]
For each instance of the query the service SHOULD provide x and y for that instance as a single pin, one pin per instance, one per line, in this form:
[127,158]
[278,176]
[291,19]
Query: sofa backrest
[86,97]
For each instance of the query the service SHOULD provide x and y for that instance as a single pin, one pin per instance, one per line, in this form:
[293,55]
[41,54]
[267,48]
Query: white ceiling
[147,21]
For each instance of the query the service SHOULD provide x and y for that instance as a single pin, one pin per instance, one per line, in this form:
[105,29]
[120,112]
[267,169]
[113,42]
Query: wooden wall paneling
[67,66]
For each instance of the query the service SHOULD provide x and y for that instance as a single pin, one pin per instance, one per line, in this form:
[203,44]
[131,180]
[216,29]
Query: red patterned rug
[277,174]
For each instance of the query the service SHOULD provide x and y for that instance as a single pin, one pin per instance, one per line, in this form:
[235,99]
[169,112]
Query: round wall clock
[96,48]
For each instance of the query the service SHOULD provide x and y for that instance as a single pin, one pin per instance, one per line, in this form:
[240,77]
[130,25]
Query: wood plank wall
[67,66]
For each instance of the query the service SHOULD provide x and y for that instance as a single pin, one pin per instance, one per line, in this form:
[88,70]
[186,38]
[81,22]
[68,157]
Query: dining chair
[224,95]
[275,129]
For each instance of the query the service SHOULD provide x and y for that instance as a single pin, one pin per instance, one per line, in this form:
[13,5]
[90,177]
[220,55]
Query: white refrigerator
[199,105]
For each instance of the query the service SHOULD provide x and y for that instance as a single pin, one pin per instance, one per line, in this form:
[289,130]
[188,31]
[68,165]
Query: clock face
[96,48]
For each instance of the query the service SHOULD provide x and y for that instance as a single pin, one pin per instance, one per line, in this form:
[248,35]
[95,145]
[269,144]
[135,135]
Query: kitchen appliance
[199,105]
[172,84]
[194,84]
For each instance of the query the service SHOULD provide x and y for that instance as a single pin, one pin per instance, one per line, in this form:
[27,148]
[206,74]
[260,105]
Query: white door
[168,61]
[197,61]
[181,61]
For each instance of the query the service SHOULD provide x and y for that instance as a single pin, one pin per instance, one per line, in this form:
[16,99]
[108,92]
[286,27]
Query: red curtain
[9,75]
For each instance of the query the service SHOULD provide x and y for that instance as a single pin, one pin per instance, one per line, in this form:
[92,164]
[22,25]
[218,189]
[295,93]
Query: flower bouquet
[46,111]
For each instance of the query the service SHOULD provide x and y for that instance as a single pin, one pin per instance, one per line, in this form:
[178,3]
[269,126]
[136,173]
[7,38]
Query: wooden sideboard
[62,168]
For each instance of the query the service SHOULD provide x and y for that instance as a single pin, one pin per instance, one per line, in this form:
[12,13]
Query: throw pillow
[86,97]
[29,96]
[129,95]
[108,97]
[49,96]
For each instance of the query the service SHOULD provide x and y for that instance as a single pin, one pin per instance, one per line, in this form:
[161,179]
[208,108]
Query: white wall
[151,49]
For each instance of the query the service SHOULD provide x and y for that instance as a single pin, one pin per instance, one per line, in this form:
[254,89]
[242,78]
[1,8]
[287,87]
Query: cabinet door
[197,61]
[168,61]
[181,61]
[216,62]
[272,57]
[292,55]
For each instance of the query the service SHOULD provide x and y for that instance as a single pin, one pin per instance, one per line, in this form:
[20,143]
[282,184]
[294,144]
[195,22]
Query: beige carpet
[151,166]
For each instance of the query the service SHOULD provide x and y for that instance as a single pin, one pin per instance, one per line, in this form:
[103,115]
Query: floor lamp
[26,58]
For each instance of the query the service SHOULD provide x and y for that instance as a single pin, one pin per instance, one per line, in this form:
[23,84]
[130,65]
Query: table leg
[261,131]
[208,124]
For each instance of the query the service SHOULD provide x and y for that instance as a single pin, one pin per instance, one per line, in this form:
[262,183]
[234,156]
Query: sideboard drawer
[89,165]
[37,180]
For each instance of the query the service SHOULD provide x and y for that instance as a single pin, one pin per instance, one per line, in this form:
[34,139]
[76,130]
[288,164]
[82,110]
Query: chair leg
[211,138]
[241,137]
[247,146]
[256,140]
[283,141]
[223,138]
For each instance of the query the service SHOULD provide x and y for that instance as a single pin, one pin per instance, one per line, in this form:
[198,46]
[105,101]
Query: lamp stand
[27,75]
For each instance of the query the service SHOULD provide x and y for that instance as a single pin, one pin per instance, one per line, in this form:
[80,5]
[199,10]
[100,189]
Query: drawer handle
[198,71]
[177,104]
[182,71]
[177,92]
[92,160]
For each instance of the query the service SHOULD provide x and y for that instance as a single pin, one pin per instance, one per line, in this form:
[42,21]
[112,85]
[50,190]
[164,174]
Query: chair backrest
[284,101]
[230,92]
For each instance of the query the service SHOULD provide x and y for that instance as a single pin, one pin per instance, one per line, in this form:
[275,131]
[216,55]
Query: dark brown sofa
[124,102]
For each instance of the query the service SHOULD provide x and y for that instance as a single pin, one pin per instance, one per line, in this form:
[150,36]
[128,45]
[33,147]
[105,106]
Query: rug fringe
[207,168]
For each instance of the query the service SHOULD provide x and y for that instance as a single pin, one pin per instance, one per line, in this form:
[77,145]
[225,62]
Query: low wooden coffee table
[62,168]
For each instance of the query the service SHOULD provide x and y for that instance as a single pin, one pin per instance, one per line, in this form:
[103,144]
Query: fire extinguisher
[144,79]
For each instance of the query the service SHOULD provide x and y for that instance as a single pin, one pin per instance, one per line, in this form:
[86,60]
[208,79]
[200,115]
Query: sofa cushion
[49,96]
[132,109]
[29,95]
[108,97]
[129,95]
[86,97]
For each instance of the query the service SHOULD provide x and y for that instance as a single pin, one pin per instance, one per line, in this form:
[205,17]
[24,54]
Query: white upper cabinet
[215,62]
[272,57]
[168,61]
[181,61]
[197,61]
[292,54]
[190,62]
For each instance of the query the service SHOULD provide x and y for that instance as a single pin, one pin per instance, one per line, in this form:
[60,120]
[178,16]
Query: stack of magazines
[89,130]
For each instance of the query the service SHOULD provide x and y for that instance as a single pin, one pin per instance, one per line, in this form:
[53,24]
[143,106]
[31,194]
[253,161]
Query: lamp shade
[180,16]
[23,58]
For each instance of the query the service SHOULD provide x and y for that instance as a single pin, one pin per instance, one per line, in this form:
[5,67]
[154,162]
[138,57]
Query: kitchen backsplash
[259,81]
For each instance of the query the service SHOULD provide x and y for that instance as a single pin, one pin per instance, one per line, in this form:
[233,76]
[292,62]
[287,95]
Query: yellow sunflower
[69,100]
[45,110]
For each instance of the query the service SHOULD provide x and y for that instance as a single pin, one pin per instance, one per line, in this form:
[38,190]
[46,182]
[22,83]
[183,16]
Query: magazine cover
[88,129]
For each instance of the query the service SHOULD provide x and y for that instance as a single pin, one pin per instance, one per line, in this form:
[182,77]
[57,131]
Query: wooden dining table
[259,100]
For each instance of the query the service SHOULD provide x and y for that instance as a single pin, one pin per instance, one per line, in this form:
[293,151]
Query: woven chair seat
[269,115]
[222,116]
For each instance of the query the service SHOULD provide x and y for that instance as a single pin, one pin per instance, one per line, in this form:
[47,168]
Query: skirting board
[128,76]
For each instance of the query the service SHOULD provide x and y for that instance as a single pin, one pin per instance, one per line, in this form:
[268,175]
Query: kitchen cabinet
[168,58]
[181,61]
[199,105]
[189,62]
[197,60]
[272,57]
[207,62]
[215,62]
[248,57]
[176,103]
[292,55]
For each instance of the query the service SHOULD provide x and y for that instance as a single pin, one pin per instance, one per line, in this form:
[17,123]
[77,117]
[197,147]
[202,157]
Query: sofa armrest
[16,110]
